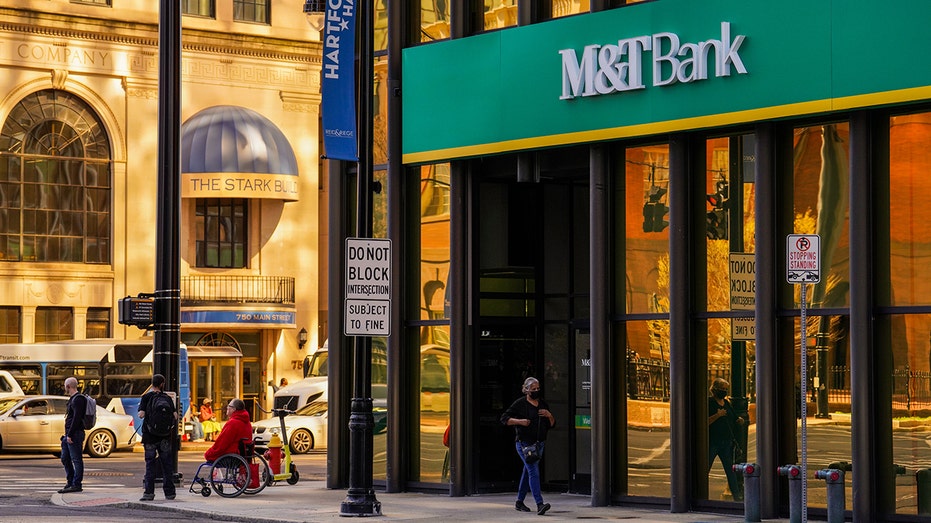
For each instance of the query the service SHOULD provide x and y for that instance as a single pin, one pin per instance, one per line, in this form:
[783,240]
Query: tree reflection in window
[55,179]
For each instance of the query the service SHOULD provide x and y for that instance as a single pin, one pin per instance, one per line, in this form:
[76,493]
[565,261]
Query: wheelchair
[233,474]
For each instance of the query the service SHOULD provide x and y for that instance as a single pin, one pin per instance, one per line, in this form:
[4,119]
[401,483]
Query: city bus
[115,372]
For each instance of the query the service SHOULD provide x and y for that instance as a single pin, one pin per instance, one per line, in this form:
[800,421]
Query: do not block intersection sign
[368,287]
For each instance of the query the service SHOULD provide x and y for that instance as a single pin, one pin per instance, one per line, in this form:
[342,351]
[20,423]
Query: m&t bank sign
[610,68]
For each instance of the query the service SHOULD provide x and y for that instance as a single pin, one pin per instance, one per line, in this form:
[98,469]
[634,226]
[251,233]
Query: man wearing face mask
[722,423]
[531,418]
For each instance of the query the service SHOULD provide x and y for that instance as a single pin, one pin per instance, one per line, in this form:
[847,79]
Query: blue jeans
[725,451]
[197,430]
[73,460]
[159,454]
[530,478]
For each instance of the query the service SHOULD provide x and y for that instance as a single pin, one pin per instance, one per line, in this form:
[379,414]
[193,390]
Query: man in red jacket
[237,427]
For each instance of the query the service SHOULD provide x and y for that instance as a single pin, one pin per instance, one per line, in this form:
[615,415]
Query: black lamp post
[360,498]
[167,342]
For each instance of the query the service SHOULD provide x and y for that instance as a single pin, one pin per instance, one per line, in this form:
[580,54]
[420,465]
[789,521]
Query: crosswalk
[15,485]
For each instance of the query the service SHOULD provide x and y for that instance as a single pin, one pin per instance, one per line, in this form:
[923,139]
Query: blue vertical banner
[338,85]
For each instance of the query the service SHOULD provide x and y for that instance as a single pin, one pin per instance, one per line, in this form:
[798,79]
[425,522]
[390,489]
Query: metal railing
[911,389]
[237,289]
[648,378]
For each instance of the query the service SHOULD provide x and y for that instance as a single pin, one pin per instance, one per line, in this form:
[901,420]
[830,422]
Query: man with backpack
[159,427]
[72,442]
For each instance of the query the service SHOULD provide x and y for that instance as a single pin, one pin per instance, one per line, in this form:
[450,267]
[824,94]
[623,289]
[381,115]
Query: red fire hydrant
[273,454]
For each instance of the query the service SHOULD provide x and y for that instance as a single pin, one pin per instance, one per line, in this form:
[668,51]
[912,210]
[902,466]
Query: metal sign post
[803,266]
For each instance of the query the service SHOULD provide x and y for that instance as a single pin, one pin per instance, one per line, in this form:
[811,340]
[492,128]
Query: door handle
[43,423]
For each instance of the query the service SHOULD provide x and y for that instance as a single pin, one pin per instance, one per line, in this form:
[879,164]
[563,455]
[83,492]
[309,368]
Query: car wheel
[302,441]
[101,443]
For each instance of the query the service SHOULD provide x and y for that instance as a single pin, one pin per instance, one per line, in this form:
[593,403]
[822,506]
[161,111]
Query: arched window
[55,180]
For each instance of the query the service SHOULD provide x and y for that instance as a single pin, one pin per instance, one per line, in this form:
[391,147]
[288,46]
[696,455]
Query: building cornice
[141,34]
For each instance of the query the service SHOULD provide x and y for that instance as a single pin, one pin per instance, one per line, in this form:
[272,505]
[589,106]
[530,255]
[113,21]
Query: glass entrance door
[217,379]
[580,438]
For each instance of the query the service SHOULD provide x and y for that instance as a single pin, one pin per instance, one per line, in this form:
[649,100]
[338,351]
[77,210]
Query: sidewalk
[312,501]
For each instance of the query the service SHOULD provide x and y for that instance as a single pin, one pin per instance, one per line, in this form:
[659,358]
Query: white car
[36,424]
[306,428]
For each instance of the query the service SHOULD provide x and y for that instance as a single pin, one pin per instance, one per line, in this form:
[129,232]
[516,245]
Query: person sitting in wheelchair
[237,428]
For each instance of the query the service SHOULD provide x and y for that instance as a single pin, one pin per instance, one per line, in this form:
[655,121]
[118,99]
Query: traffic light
[654,211]
[716,218]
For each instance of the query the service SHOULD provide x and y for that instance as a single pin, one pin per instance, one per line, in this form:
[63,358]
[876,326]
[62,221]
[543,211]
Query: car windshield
[314,408]
[7,404]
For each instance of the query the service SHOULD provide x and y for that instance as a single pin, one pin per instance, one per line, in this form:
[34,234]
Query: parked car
[9,387]
[306,428]
[36,424]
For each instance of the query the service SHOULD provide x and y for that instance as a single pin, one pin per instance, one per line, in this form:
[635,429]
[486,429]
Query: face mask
[720,394]
[534,394]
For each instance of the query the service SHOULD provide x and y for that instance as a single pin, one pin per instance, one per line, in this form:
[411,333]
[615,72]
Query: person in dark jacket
[531,419]
[157,448]
[237,428]
[722,424]
[72,442]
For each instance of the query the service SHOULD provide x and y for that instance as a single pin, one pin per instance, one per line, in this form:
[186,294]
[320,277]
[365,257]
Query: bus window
[29,377]
[88,377]
[126,379]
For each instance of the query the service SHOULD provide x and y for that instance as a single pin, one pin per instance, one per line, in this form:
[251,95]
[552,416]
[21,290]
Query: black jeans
[159,455]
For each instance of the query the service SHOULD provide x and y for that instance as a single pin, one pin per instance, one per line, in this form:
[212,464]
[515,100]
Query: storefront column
[679,326]
[871,410]
[766,361]
[461,356]
[601,286]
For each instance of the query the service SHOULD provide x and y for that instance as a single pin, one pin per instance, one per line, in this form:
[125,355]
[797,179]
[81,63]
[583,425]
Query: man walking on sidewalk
[159,426]
[72,442]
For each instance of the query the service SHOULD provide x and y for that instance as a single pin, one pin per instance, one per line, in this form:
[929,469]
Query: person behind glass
[197,429]
[237,428]
[722,422]
[72,442]
[158,449]
[208,419]
[531,419]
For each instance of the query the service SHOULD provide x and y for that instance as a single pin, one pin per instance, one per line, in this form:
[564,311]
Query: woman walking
[531,418]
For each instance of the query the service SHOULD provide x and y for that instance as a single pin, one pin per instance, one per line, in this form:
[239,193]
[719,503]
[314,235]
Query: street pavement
[313,501]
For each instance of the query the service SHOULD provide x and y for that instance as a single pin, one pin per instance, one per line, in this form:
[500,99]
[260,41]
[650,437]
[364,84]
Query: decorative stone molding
[140,88]
[294,102]
[59,78]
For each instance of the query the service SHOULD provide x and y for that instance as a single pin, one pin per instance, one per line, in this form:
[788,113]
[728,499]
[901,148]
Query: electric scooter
[287,470]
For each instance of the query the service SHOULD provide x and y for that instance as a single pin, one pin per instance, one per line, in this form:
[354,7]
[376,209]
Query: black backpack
[160,415]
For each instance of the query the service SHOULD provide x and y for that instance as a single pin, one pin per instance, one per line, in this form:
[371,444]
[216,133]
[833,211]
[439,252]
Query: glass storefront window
[910,209]
[434,407]
[906,337]
[380,108]
[731,416]
[434,20]
[500,14]
[827,402]
[821,206]
[434,240]
[431,464]
[648,454]
[646,246]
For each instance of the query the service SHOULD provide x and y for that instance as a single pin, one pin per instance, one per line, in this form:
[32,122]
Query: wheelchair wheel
[260,467]
[230,475]
[205,491]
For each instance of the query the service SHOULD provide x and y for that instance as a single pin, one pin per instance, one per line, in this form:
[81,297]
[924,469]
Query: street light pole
[360,498]
[167,342]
